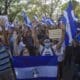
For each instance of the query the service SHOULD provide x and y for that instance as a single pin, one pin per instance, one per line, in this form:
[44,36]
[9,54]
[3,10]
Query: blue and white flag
[62,19]
[43,20]
[27,21]
[70,21]
[48,21]
[36,68]
[36,18]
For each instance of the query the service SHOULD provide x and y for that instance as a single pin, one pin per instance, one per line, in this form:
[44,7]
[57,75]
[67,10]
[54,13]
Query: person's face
[47,43]
[14,32]
[27,32]
[26,52]
[11,31]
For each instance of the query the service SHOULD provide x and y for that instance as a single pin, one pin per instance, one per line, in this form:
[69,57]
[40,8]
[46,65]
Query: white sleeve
[74,18]
[59,51]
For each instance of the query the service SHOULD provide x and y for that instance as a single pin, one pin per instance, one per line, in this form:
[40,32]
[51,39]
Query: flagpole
[71,2]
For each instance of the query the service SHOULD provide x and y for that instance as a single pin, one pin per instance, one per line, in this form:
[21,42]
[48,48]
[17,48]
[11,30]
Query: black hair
[21,53]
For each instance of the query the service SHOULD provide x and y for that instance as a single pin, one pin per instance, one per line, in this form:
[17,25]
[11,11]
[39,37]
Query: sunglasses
[47,41]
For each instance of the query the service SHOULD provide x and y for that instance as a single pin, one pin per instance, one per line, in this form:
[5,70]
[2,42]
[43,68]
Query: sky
[64,1]
[48,1]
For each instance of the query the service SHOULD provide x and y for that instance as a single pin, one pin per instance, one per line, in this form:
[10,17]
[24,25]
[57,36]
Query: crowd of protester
[21,40]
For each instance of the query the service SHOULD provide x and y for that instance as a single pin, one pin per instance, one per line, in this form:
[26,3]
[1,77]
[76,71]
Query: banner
[55,33]
[39,68]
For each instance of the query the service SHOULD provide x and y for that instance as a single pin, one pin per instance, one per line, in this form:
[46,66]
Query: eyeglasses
[47,41]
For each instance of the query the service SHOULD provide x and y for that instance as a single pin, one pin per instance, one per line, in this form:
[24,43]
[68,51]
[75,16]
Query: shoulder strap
[42,51]
[52,50]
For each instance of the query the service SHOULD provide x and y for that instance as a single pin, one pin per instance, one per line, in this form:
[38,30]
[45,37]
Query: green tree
[13,8]
[5,5]
[76,7]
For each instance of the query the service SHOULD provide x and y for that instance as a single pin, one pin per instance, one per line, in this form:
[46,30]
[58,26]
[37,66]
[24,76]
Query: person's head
[76,41]
[15,32]
[47,42]
[27,31]
[11,30]
[25,52]
[55,41]
[60,24]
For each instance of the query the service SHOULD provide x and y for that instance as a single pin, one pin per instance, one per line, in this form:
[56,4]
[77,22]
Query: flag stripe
[71,27]
[35,68]
[68,27]
[71,19]
[42,71]
[31,61]
[27,21]
[73,15]
[40,79]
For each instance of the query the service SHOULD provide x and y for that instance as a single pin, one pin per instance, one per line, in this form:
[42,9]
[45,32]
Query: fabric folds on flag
[48,21]
[69,19]
[27,21]
[35,68]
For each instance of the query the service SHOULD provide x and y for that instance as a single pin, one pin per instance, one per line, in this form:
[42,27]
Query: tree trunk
[7,5]
[51,13]
[5,10]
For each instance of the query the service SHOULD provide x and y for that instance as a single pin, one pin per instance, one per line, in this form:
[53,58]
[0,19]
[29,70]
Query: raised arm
[4,33]
[62,38]
[34,36]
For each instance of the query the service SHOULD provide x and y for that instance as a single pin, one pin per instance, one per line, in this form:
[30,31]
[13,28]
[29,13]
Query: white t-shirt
[21,46]
[45,51]
[59,52]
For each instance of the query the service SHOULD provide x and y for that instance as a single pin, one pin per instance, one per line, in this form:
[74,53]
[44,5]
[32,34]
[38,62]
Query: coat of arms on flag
[31,68]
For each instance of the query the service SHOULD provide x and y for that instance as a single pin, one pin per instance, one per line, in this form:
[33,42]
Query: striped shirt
[4,59]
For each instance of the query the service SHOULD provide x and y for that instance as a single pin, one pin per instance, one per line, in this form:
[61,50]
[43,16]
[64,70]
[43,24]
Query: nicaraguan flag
[36,68]
[44,19]
[27,21]
[36,18]
[48,21]
[70,21]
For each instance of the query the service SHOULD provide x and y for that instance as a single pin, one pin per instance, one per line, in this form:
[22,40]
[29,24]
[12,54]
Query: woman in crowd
[25,52]
[47,44]
[28,41]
